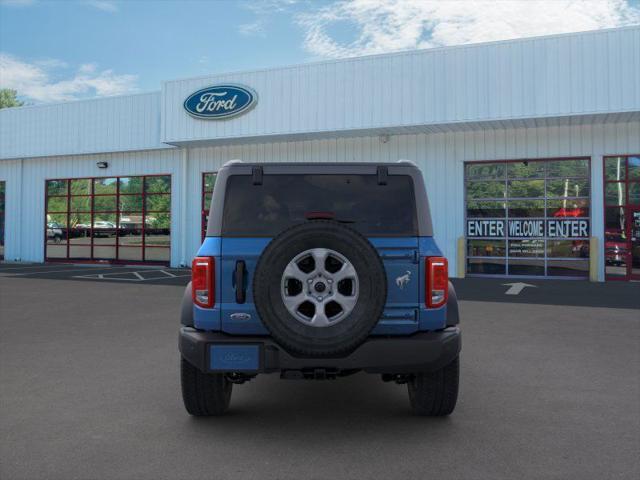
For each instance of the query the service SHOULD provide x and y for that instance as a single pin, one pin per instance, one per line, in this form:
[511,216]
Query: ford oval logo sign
[220,101]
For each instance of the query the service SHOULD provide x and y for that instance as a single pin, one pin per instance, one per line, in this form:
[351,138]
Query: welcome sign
[525,228]
[219,102]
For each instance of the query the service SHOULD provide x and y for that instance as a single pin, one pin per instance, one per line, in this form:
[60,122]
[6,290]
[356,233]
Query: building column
[184,234]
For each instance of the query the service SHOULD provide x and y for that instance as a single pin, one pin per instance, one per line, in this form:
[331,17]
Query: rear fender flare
[186,309]
[453,316]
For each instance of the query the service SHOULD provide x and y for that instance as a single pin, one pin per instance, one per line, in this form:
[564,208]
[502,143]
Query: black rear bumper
[420,352]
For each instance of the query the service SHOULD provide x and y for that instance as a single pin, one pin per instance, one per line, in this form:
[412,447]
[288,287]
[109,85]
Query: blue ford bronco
[316,271]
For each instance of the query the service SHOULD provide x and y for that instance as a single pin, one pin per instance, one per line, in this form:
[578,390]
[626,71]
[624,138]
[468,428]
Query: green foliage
[526,188]
[525,169]
[8,98]
[209,181]
[486,171]
[489,189]
[615,168]
[105,186]
[56,187]
[131,203]
[131,184]
[81,186]
[57,204]
[158,184]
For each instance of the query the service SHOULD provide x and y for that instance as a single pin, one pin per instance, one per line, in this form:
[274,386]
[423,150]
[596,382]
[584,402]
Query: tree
[8,98]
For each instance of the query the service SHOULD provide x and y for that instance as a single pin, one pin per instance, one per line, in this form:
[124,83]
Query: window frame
[91,213]
[3,216]
[626,206]
[507,199]
[204,209]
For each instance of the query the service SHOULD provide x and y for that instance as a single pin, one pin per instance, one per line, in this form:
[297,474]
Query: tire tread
[435,394]
[204,394]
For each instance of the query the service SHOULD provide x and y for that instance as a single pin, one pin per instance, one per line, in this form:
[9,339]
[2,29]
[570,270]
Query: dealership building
[530,150]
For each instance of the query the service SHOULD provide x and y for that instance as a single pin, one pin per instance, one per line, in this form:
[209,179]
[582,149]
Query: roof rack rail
[232,162]
[410,162]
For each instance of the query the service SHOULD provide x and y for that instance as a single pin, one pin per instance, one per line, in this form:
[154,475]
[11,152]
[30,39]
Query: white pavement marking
[516,288]
[162,278]
[26,269]
[139,277]
[17,274]
[49,265]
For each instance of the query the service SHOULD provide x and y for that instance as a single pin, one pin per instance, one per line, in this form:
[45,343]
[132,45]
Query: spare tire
[320,288]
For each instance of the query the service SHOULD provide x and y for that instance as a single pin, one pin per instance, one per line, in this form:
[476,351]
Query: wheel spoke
[319,287]
[319,319]
[293,271]
[319,256]
[293,302]
[346,302]
[346,271]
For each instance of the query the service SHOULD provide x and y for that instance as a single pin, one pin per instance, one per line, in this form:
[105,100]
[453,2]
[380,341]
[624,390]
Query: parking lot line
[39,272]
[23,267]
[120,276]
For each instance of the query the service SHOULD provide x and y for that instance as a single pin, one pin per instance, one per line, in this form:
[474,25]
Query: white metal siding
[547,77]
[441,157]
[90,126]
[26,219]
[11,174]
[584,77]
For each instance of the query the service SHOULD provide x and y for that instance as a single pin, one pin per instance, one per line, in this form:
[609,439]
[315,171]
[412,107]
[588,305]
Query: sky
[59,50]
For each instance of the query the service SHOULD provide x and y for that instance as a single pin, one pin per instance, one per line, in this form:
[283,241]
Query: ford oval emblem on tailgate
[240,316]
[218,102]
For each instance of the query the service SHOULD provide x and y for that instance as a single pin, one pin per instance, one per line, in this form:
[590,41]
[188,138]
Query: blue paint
[402,315]
[219,102]
[428,248]
[233,358]
[211,247]
[248,250]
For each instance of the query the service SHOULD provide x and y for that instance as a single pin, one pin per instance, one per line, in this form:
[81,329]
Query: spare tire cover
[320,288]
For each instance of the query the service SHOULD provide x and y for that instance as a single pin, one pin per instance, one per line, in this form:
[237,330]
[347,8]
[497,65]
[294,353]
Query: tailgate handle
[238,279]
[413,256]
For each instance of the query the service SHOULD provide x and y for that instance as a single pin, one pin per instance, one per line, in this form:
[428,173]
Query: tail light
[202,281]
[437,282]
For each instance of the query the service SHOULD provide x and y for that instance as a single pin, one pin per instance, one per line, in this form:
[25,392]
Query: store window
[208,181]
[622,217]
[528,218]
[2,210]
[116,219]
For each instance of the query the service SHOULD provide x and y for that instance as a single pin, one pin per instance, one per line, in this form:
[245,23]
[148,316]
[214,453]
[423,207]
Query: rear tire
[204,394]
[435,394]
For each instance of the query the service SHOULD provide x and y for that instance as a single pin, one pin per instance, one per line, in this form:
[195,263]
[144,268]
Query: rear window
[286,200]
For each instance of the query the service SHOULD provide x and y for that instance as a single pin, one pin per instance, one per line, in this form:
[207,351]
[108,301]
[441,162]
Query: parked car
[80,230]
[317,271]
[103,228]
[54,232]
[570,212]
[615,250]
[580,248]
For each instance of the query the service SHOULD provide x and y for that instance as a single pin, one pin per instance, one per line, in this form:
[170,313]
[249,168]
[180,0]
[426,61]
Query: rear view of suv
[318,271]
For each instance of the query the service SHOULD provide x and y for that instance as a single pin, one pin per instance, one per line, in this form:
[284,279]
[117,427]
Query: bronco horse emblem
[402,280]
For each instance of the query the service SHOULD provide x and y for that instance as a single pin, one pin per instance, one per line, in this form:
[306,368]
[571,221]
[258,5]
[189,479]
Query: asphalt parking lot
[90,390]
[97,273]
